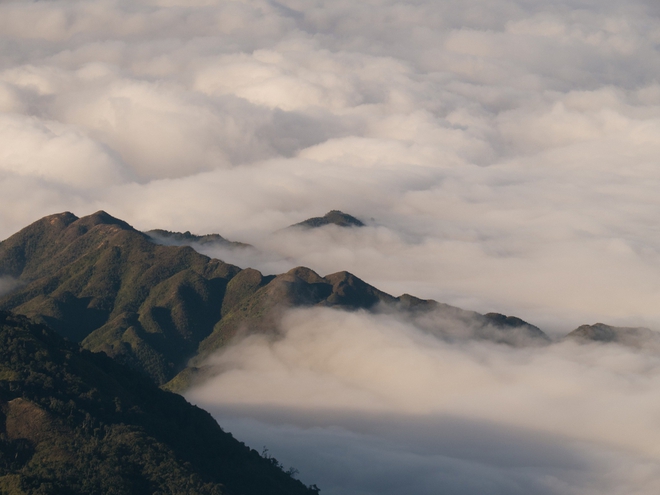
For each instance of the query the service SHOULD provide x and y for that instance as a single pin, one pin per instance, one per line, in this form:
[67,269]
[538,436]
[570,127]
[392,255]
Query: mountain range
[156,308]
[168,238]
[85,290]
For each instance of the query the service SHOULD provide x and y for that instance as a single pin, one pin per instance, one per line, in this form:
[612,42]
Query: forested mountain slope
[98,281]
[75,422]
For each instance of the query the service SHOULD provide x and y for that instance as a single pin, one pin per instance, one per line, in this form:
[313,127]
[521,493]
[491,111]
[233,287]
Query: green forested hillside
[98,281]
[75,422]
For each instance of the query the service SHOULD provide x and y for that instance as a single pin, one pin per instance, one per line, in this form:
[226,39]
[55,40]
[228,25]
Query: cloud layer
[371,404]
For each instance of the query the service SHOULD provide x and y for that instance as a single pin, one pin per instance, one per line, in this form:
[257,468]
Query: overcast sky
[504,154]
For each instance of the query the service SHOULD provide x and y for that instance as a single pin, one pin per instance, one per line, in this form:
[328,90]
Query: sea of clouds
[369,404]
[504,155]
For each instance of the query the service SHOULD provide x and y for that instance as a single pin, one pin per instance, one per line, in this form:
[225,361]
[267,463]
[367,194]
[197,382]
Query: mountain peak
[334,217]
[600,332]
[102,218]
[66,217]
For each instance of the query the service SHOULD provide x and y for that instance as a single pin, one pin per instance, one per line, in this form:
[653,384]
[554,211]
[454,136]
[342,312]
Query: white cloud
[392,388]
[56,153]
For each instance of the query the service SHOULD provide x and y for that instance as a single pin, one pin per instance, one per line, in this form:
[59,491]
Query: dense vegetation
[76,422]
[98,281]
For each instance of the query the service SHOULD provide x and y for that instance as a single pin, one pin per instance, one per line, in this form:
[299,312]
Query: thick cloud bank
[366,404]
[506,150]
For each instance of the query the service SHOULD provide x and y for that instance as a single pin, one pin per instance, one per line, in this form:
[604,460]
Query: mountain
[255,302]
[98,281]
[635,337]
[168,238]
[334,217]
[75,422]
[455,324]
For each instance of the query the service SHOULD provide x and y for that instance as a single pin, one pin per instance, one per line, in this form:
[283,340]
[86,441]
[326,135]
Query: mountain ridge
[333,217]
[98,281]
[169,238]
[148,304]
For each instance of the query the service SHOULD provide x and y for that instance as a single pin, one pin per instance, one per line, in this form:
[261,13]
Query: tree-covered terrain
[77,422]
[98,281]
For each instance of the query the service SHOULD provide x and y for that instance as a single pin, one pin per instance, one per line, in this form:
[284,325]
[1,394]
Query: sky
[503,154]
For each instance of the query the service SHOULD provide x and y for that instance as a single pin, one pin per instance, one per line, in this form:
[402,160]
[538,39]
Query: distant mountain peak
[169,238]
[103,218]
[600,332]
[334,217]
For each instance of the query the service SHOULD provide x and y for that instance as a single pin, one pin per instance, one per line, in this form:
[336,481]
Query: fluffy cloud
[56,153]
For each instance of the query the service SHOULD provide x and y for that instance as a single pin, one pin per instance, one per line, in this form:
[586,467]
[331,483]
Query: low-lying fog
[368,404]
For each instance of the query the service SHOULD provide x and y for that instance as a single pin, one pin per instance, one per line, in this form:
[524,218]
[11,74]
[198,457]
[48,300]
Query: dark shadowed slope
[334,217]
[98,281]
[73,422]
